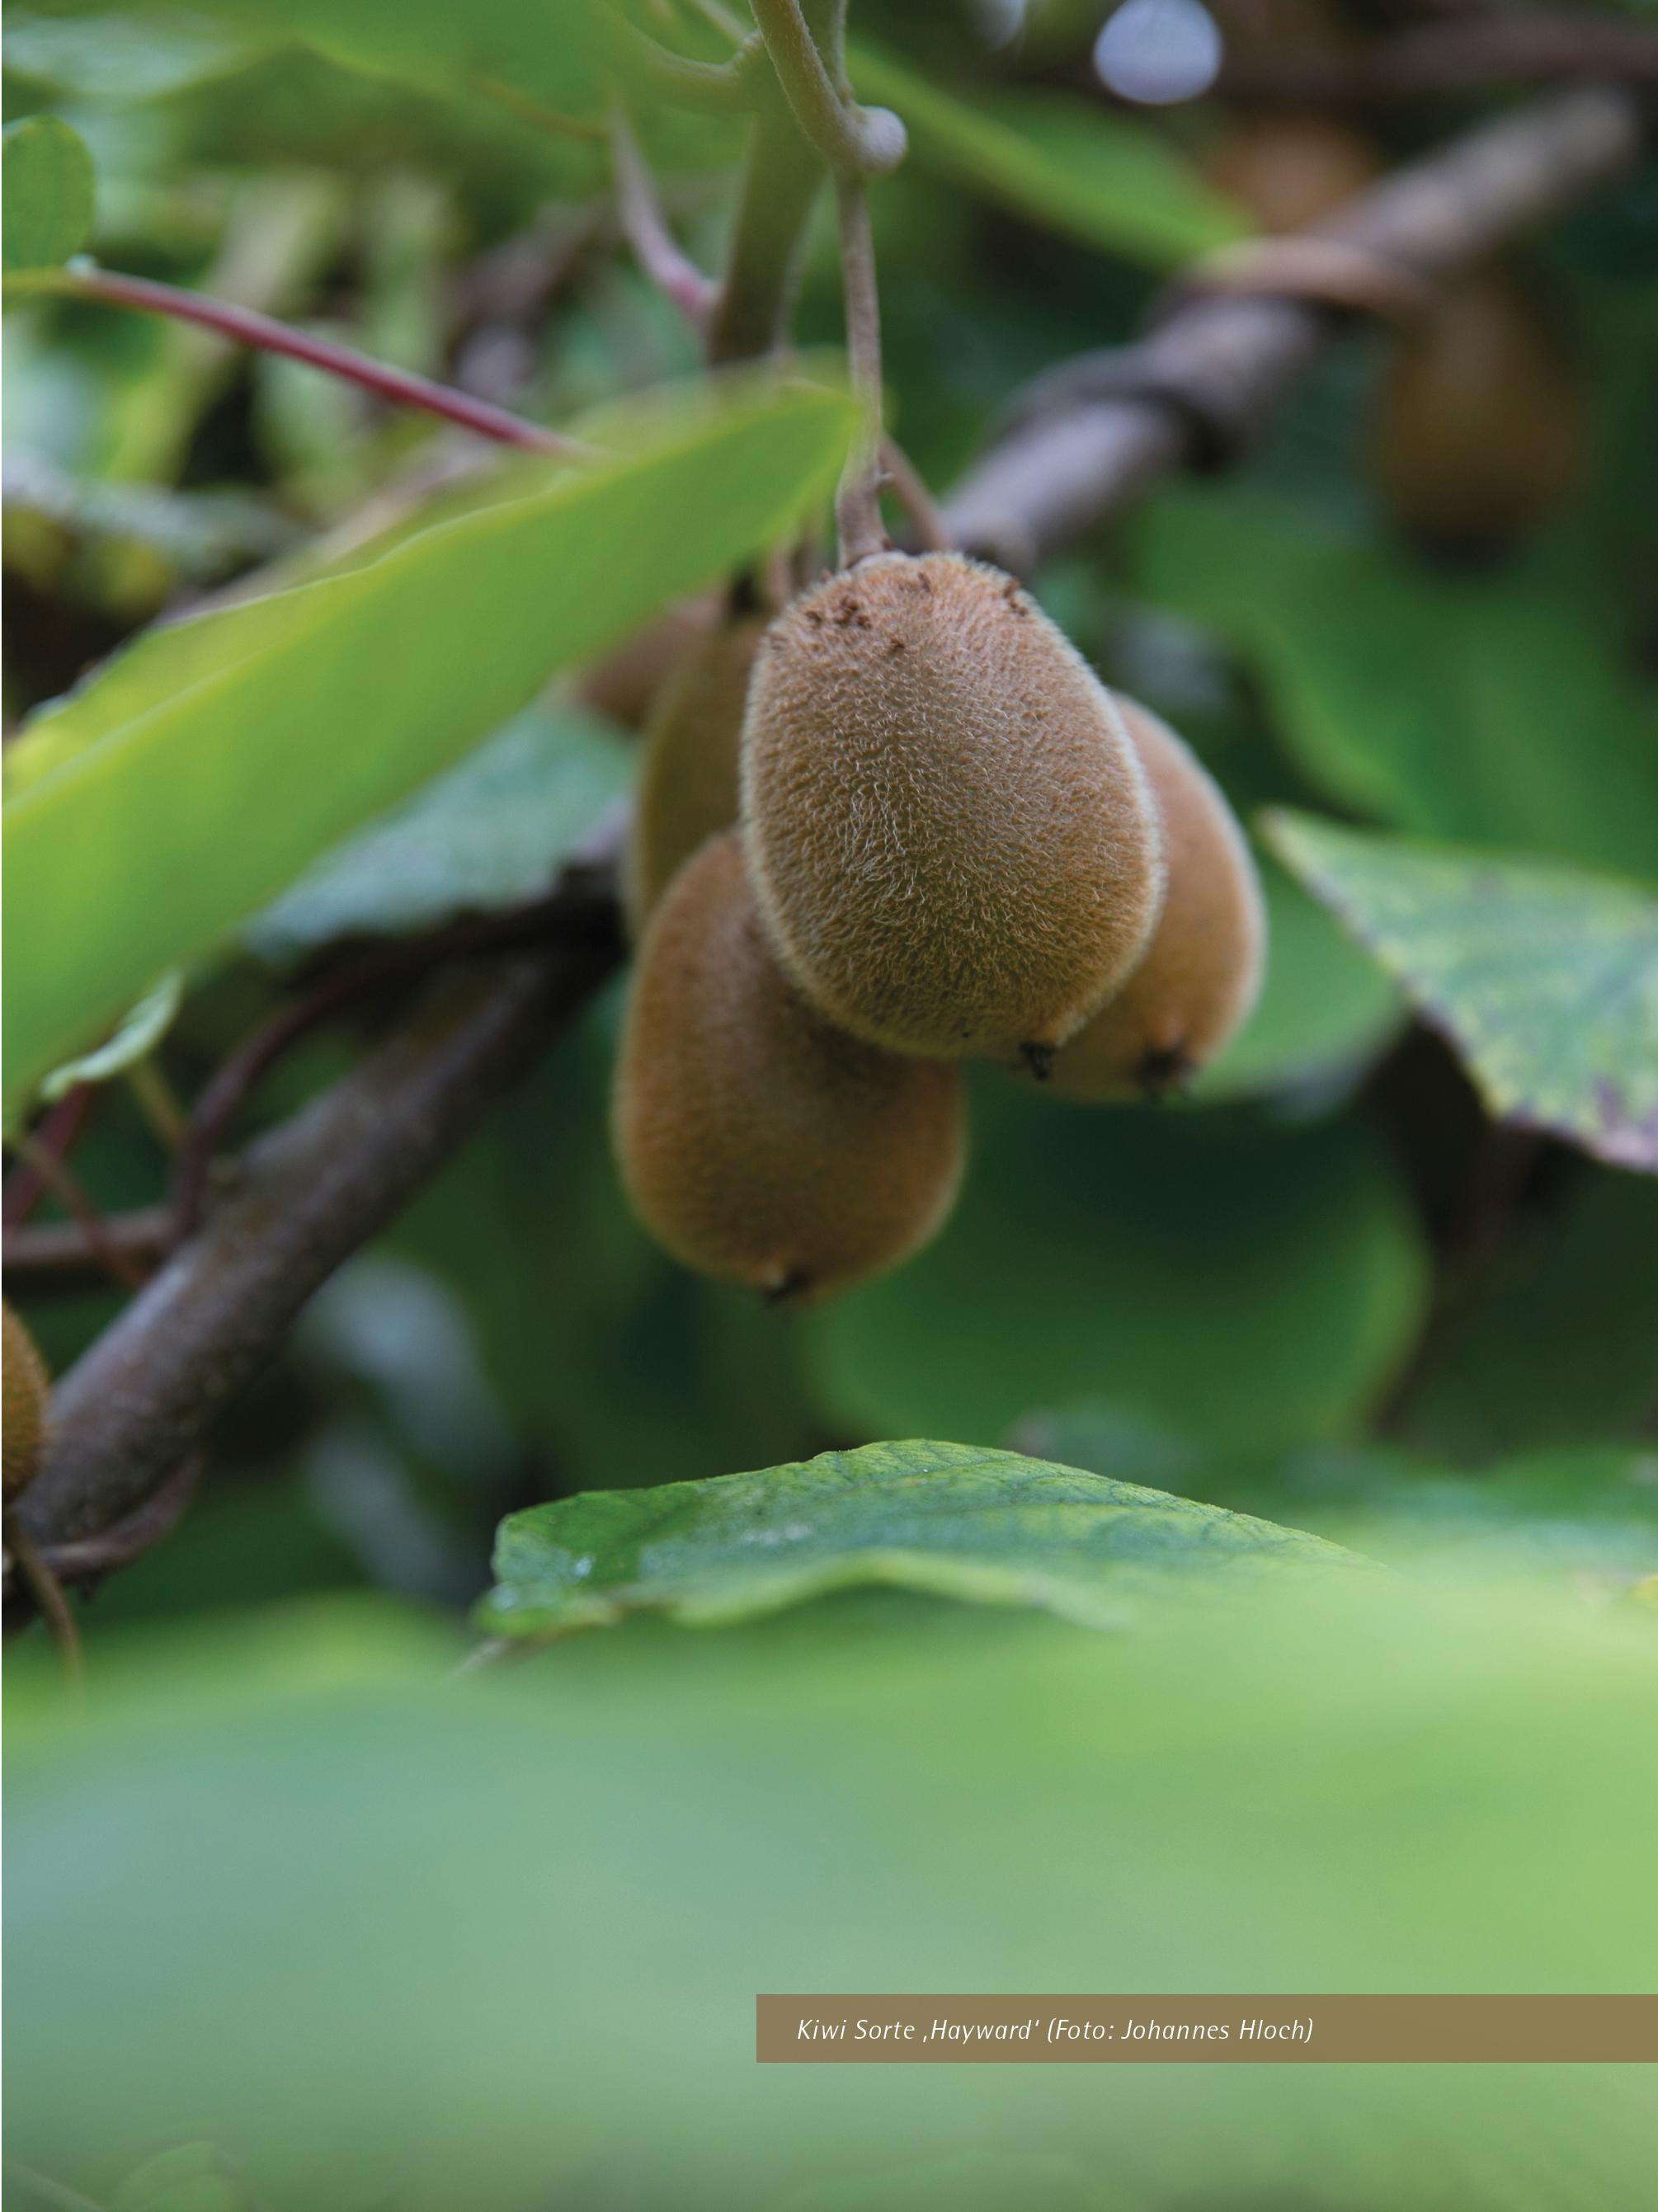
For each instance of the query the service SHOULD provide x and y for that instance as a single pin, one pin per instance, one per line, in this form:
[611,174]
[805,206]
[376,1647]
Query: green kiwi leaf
[989,1527]
[1544,978]
[194,776]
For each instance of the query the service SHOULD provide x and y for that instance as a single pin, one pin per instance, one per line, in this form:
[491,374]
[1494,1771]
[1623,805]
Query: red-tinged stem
[245,327]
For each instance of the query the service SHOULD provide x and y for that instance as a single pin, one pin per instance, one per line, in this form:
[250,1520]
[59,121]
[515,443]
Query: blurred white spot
[1157,52]
[1000,21]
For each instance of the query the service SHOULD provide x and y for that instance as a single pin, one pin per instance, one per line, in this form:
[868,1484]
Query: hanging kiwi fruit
[1291,168]
[1200,977]
[26,1391]
[952,843]
[1478,435]
[688,781]
[759,1145]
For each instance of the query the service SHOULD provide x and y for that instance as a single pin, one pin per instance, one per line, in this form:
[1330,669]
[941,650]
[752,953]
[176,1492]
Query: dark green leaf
[1544,978]
[1252,1285]
[1495,708]
[489,835]
[989,1527]
[48,193]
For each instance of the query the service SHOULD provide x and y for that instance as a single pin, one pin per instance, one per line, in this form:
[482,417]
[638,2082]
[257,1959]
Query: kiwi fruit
[688,784]
[952,843]
[759,1145]
[1290,169]
[27,1390]
[623,685]
[1197,983]
[1478,434]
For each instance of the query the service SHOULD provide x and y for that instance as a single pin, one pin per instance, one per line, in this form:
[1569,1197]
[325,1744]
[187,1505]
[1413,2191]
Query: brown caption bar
[1206,2031]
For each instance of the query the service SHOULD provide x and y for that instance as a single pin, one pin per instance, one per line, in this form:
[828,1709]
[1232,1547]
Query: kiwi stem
[645,227]
[853,141]
[858,503]
[780,180]
[909,488]
[48,1594]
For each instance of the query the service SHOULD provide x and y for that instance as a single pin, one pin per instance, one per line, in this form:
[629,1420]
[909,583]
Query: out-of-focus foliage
[431,1943]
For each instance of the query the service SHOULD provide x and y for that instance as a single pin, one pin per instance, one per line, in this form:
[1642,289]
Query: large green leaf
[1070,164]
[1255,1285]
[987,1527]
[196,775]
[277,1886]
[48,193]
[489,834]
[1544,978]
[1497,708]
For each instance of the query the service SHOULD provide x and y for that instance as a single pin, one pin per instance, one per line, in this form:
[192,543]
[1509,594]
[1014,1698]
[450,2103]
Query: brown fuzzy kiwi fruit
[623,684]
[760,1145]
[688,784]
[1480,434]
[27,1391]
[1290,169]
[951,840]
[1191,993]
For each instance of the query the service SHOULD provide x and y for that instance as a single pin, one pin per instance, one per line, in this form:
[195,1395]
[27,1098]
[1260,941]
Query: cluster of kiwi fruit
[899,825]
[1477,434]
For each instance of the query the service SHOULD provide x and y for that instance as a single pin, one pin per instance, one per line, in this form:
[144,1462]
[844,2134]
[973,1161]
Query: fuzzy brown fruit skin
[1290,169]
[687,783]
[27,1393]
[1197,984]
[1478,435]
[952,843]
[760,1145]
[624,685]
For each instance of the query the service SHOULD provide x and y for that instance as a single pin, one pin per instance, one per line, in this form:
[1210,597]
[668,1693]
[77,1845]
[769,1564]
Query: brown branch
[308,1194]
[57,1133]
[246,327]
[93,1557]
[1204,385]
[58,1255]
[318,1187]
